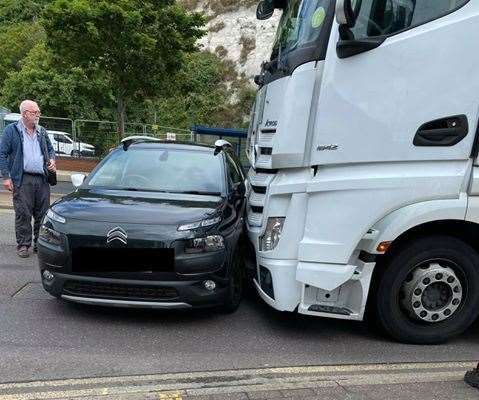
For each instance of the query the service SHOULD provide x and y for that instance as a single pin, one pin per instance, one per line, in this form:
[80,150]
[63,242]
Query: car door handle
[443,132]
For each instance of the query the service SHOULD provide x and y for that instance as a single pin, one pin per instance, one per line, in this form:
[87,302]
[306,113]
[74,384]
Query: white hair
[24,105]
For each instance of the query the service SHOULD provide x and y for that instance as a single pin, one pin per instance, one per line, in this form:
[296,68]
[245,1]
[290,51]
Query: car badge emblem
[117,234]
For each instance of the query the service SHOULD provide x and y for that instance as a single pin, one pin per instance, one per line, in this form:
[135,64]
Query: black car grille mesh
[116,291]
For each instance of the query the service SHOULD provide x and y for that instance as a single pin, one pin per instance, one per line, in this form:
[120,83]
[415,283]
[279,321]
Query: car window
[61,138]
[166,169]
[387,17]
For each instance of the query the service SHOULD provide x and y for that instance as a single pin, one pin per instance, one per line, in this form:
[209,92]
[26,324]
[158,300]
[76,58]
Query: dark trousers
[30,200]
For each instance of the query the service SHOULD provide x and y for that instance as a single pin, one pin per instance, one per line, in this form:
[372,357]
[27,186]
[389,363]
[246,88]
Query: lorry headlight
[205,245]
[271,236]
[55,217]
[50,236]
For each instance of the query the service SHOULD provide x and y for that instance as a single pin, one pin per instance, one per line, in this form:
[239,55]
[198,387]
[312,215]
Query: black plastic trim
[475,145]
[349,48]
[266,171]
[366,257]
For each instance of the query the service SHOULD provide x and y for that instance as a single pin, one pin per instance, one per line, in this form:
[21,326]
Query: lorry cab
[363,153]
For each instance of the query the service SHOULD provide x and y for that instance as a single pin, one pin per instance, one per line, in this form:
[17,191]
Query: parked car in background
[155,225]
[64,145]
[62,141]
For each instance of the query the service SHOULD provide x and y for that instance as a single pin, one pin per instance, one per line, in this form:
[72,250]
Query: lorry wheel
[429,291]
[235,287]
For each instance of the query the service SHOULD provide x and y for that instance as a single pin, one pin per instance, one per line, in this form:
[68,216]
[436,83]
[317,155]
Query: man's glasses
[34,112]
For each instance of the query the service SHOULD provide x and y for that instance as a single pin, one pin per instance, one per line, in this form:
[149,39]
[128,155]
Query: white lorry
[364,186]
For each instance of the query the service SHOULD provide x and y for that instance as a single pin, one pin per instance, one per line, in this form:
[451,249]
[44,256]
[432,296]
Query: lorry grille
[259,181]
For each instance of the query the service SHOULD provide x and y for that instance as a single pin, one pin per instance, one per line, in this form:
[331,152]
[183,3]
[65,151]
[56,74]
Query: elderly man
[26,155]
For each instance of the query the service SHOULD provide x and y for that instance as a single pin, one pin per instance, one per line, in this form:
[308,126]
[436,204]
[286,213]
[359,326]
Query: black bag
[51,176]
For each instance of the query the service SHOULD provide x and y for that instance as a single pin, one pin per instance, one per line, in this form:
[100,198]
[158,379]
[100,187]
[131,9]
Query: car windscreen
[161,170]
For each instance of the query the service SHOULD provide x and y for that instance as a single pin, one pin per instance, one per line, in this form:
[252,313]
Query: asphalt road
[43,338]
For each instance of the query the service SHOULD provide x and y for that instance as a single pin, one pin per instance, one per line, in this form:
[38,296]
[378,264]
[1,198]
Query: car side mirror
[77,180]
[265,10]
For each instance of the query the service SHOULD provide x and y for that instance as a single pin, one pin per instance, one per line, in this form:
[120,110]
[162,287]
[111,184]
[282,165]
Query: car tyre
[402,322]
[235,285]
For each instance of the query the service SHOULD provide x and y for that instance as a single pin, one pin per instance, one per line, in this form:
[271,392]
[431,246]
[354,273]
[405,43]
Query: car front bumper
[170,290]
[135,293]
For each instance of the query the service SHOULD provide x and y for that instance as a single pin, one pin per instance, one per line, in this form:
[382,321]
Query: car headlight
[50,236]
[199,224]
[271,236]
[205,245]
[55,217]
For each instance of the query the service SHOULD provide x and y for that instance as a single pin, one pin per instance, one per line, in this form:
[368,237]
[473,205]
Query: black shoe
[472,378]
[22,252]
[35,248]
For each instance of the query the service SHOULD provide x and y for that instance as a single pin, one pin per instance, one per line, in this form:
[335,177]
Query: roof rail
[128,141]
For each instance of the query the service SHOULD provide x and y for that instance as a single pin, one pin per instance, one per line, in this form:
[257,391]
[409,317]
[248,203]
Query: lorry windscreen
[302,34]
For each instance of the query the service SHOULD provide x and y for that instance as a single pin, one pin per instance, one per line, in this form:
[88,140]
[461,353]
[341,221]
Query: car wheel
[235,285]
[75,153]
[429,291]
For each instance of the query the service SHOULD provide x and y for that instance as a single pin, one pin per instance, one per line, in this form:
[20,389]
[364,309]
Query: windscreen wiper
[200,193]
[133,189]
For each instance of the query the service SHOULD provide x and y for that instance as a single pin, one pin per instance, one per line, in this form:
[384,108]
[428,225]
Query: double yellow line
[173,386]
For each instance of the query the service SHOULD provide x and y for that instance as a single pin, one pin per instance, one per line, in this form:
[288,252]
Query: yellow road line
[235,383]
[237,373]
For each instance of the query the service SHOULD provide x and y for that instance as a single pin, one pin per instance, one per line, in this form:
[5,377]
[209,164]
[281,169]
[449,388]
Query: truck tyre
[428,291]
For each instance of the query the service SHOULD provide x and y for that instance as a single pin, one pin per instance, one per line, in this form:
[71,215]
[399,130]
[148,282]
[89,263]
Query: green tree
[139,44]
[207,91]
[14,11]
[16,41]
[68,92]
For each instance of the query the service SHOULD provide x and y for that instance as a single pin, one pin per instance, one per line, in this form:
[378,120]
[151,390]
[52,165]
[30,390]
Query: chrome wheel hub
[431,293]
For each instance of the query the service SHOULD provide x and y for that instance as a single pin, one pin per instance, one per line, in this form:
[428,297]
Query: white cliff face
[238,36]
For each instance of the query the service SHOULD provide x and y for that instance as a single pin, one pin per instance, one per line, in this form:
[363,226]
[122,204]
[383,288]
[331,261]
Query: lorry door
[394,125]
[415,97]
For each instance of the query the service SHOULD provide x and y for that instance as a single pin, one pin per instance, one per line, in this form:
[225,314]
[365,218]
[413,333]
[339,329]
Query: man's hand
[52,166]
[8,184]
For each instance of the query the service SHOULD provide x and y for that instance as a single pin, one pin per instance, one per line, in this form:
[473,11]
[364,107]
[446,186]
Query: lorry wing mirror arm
[348,48]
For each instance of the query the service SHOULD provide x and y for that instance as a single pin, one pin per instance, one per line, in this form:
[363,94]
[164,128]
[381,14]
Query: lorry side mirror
[265,10]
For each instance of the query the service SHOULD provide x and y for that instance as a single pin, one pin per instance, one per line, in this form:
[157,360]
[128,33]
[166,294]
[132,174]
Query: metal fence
[103,134]
[208,135]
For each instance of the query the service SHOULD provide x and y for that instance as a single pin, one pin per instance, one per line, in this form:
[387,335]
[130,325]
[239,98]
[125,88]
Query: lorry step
[329,309]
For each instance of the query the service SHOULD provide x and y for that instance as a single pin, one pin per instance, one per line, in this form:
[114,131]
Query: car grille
[116,291]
